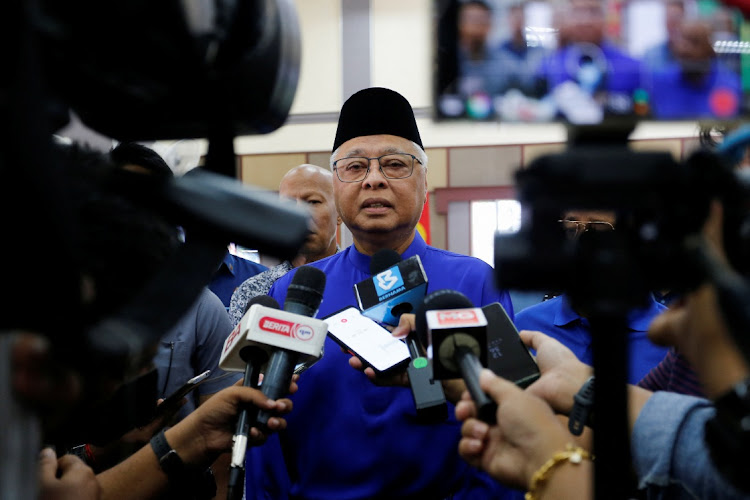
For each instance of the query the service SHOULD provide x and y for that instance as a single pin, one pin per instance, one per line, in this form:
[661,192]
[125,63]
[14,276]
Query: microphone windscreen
[264,300]
[307,287]
[383,259]
[440,299]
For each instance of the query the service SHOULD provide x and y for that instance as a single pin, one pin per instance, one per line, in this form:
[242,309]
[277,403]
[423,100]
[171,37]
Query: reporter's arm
[198,440]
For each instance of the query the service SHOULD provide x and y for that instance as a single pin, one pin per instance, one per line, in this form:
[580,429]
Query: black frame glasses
[351,160]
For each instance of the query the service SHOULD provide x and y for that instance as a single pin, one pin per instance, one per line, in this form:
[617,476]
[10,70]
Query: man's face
[377,204]
[584,21]
[314,189]
[474,24]
[693,45]
[576,222]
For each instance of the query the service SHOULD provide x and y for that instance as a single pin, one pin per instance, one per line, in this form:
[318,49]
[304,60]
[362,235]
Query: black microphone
[303,298]
[457,340]
[255,356]
[429,397]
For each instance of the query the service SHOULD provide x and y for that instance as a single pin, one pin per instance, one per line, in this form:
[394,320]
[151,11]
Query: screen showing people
[589,61]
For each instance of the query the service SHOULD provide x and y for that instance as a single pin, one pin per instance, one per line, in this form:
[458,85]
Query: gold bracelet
[572,454]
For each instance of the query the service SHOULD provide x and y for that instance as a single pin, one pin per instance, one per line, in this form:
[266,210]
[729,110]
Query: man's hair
[132,153]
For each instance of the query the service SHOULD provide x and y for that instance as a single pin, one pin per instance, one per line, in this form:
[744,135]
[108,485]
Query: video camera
[141,71]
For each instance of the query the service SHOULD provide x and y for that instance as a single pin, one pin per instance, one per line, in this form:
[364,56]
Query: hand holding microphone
[272,341]
[456,332]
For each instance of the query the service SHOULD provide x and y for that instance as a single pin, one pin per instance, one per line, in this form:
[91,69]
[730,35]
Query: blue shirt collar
[228,262]
[362,261]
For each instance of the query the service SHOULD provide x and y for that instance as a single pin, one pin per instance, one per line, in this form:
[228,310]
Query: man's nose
[375,177]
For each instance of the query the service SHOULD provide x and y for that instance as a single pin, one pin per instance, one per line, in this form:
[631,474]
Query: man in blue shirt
[348,437]
[232,272]
[556,317]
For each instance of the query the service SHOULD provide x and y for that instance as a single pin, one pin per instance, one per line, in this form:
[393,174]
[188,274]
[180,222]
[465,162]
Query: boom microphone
[429,397]
[457,344]
[302,300]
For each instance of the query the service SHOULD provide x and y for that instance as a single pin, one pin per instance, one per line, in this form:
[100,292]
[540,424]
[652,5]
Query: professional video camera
[140,71]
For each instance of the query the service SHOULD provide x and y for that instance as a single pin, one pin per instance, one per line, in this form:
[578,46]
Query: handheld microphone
[457,344]
[396,287]
[429,397]
[302,302]
[254,356]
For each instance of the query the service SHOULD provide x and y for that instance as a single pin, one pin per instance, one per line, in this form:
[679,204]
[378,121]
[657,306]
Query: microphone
[396,287]
[254,355]
[457,344]
[429,397]
[303,299]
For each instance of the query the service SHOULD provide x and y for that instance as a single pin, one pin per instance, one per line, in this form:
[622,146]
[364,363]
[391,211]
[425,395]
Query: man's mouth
[376,204]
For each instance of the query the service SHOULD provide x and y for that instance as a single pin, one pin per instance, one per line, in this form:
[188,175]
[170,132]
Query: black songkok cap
[376,111]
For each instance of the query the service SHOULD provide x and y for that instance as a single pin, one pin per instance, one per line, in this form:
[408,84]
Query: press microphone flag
[273,329]
[392,292]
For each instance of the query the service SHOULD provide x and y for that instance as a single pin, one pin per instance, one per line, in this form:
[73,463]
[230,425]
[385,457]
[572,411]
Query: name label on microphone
[386,281]
[287,328]
[456,318]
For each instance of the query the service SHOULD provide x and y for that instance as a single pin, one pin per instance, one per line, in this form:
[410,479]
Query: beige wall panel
[437,168]
[320,80]
[401,53]
[320,159]
[437,225]
[534,151]
[673,146]
[483,166]
[266,171]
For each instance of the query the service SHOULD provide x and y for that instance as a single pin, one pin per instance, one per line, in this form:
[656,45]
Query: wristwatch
[184,482]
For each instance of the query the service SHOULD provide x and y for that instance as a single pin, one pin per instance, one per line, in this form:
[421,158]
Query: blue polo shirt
[557,319]
[674,97]
[349,438]
[232,272]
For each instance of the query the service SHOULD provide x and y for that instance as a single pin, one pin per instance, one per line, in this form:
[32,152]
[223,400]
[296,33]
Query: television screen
[590,61]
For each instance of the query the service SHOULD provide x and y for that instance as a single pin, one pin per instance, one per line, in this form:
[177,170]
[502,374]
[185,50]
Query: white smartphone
[367,340]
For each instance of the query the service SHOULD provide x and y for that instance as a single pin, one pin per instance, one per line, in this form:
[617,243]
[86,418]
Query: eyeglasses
[392,166]
[575,228]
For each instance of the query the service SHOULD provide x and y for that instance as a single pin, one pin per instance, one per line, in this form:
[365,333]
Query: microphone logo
[286,328]
[232,337]
[464,317]
[388,279]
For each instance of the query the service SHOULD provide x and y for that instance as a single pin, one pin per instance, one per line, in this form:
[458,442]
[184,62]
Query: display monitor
[589,62]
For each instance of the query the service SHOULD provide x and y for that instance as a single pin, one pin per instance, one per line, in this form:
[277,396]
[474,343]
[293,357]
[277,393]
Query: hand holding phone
[369,341]
[173,402]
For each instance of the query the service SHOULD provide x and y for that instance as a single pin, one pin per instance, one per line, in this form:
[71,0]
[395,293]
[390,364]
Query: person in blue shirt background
[557,318]
[349,437]
[232,272]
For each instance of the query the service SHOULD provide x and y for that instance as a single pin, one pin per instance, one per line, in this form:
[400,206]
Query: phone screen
[369,341]
[507,355]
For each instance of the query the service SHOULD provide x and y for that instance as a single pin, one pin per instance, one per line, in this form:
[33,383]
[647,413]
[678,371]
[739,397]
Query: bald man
[312,186]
